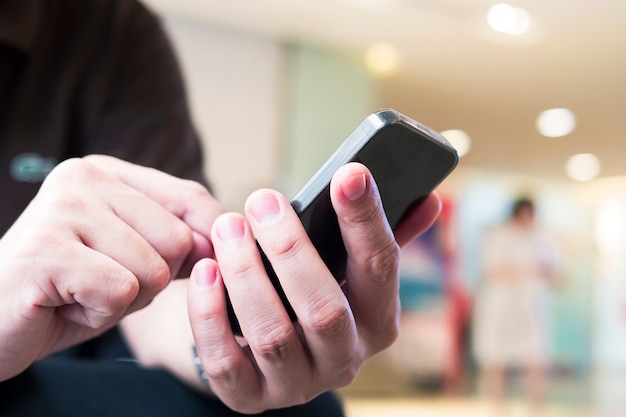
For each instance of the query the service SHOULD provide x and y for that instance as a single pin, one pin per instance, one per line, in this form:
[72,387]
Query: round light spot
[504,18]
[583,167]
[459,139]
[382,59]
[555,123]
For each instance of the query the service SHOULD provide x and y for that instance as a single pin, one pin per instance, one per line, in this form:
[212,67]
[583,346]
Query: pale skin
[103,237]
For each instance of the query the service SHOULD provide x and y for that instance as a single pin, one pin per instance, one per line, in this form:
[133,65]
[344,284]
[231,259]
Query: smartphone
[407,160]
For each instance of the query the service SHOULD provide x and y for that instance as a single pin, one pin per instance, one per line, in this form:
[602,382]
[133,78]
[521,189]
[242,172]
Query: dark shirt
[79,77]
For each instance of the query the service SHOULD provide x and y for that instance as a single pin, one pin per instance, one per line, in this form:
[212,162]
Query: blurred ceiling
[456,73]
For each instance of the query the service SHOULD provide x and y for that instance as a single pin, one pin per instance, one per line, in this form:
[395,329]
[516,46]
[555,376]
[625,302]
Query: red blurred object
[456,296]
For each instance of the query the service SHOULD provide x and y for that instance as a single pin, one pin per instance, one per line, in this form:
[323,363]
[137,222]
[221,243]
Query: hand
[283,363]
[99,240]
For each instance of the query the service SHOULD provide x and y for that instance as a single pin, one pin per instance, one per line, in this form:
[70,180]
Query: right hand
[338,328]
[99,241]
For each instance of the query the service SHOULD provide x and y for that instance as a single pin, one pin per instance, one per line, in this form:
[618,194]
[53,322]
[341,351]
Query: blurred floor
[377,394]
[447,407]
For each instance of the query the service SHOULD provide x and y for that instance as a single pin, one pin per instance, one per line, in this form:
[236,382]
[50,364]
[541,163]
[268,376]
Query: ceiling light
[382,59]
[505,18]
[554,123]
[459,139]
[583,167]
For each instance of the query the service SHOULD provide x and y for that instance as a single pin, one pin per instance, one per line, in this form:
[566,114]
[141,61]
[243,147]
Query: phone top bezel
[353,144]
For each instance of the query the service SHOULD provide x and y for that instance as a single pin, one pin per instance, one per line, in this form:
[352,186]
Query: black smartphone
[407,160]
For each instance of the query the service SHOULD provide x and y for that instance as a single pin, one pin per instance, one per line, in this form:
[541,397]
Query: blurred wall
[328,93]
[269,114]
[235,86]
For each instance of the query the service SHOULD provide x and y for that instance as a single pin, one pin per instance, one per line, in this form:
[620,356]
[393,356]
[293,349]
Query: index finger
[186,199]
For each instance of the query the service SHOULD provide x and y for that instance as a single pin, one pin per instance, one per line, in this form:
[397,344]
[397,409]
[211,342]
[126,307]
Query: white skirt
[512,325]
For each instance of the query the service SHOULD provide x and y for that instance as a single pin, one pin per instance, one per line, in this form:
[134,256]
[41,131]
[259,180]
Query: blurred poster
[427,348]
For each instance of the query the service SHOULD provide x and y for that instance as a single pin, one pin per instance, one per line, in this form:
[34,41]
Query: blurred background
[533,95]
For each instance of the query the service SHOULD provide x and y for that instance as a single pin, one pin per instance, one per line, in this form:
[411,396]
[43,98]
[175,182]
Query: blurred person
[512,320]
[86,241]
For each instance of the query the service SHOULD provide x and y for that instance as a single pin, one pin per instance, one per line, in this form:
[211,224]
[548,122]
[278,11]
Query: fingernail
[354,187]
[264,207]
[206,275]
[230,228]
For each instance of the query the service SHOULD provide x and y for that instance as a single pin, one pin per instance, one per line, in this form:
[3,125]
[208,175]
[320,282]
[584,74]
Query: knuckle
[71,170]
[195,190]
[331,318]
[366,214]
[97,158]
[391,335]
[383,334]
[180,241]
[386,335]
[124,292]
[159,274]
[241,269]
[347,376]
[384,264]
[221,370]
[274,345]
[285,247]
[67,202]
[97,319]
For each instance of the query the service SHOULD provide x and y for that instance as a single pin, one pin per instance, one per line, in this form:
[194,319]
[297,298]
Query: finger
[79,300]
[231,374]
[118,222]
[170,237]
[187,200]
[166,233]
[202,248]
[420,220]
[138,255]
[373,254]
[265,324]
[319,303]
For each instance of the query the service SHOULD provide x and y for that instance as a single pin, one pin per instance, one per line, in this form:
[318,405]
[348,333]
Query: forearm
[160,335]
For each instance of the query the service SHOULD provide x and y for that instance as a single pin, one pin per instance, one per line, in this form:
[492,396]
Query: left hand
[338,328]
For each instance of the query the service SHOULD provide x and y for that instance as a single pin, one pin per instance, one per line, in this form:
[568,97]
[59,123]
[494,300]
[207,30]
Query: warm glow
[459,139]
[505,18]
[554,123]
[610,226]
[382,59]
[583,167]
